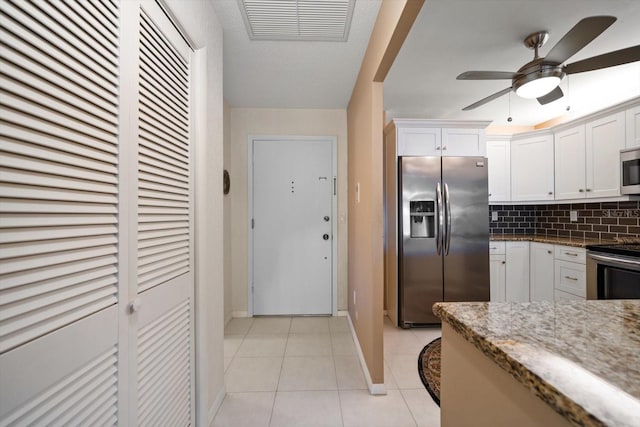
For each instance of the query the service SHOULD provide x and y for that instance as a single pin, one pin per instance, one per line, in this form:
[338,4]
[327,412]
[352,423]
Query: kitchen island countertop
[582,358]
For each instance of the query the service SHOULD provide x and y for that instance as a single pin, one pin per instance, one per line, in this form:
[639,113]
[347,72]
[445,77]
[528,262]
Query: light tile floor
[305,372]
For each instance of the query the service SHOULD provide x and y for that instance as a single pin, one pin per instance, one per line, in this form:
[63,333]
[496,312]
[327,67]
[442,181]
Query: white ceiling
[292,74]
[453,36]
[449,37]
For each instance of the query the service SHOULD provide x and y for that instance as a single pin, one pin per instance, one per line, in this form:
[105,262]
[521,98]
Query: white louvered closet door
[164,246]
[59,131]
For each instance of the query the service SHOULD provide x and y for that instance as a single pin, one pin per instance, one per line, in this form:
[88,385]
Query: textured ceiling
[449,37]
[452,36]
[291,74]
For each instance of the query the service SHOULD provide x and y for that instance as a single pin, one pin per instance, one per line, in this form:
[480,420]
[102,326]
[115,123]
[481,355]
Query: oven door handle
[629,263]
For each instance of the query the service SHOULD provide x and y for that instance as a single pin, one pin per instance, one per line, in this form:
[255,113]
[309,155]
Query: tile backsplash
[607,220]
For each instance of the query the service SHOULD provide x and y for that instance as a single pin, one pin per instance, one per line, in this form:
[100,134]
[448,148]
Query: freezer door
[466,241]
[420,266]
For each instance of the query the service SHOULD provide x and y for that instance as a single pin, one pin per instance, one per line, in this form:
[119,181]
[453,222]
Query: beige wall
[265,121]
[366,232]
[226,207]
[204,29]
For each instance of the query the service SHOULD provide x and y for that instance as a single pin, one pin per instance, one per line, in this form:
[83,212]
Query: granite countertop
[580,357]
[567,241]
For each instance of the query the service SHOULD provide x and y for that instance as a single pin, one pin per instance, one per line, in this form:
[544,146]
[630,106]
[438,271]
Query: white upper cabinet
[499,159]
[463,142]
[570,163]
[605,138]
[532,168]
[419,142]
[416,137]
[633,127]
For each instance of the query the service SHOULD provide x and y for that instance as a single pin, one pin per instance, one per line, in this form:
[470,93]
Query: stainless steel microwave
[630,171]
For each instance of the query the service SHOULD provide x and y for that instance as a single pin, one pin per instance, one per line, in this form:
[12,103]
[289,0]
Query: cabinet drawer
[496,248]
[566,296]
[571,278]
[568,253]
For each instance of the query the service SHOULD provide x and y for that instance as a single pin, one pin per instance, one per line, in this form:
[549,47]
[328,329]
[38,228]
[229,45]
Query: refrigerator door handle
[447,202]
[440,219]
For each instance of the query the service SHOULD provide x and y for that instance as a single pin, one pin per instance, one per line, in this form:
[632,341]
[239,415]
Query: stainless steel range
[613,271]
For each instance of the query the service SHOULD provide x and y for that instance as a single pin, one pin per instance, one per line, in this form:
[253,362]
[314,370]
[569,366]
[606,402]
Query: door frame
[334,212]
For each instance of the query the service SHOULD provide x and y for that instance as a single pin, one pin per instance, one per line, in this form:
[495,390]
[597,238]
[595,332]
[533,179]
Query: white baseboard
[375,389]
[213,410]
[342,313]
[239,314]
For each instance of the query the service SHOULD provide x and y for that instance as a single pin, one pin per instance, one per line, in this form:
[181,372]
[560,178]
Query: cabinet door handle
[493,248]
[571,254]
[581,190]
[504,262]
[444,148]
[438,148]
[548,252]
[588,190]
[489,194]
[570,278]
[550,193]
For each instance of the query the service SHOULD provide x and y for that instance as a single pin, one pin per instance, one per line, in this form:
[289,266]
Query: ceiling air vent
[308,20]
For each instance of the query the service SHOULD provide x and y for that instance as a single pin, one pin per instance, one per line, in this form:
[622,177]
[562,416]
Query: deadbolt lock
[326,218]
[325,236]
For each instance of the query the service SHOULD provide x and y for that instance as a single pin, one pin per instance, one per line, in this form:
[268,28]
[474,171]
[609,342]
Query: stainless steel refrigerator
[443,234]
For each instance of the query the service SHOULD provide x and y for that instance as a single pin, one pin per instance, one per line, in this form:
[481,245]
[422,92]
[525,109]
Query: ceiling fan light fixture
[538,87]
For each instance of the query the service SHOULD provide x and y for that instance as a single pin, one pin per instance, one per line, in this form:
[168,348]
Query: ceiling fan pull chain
[509,119]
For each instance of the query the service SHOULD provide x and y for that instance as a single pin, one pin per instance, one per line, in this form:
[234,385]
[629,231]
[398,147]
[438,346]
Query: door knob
[134,305]
[325,236]
[326,218]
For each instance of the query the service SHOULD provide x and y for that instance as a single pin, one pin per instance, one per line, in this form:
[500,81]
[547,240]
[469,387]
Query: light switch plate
[494,216]
[573,216]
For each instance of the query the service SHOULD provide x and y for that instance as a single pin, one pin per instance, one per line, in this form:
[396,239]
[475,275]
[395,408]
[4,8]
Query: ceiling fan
[540,77]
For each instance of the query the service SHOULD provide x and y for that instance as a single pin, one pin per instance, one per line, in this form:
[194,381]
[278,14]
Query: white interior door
[162,381]
[59,191]
[292,236]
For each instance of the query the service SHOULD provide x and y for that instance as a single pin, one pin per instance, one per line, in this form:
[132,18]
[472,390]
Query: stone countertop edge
[561,403]
[566,241]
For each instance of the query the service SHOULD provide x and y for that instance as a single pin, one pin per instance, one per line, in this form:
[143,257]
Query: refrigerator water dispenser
[422,214]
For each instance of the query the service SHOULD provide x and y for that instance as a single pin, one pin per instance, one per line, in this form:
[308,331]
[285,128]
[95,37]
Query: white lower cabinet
[517,272]
[541,272]
[522,271]
[497,271]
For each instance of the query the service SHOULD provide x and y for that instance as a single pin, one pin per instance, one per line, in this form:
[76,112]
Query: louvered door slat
[161,102]
[162,387]
[25,106]
[36,34]
[87,27]
[161,129]
[75,390]
[101,9]
[58,167]
[38,220]
[151,194]
[26,78]
[18,206]
[97,170]
[155,59]
[155,142]
[86,280]
[163,47]
[40,71]
[67,71]
[101,273]
[57,17]
[157,113]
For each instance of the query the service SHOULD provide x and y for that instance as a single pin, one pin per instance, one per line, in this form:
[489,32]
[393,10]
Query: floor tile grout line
[408,407]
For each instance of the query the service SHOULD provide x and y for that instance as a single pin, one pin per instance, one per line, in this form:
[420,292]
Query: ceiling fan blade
[578,37]
[551,96]
[487,99]
[611,59]
[486,75]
